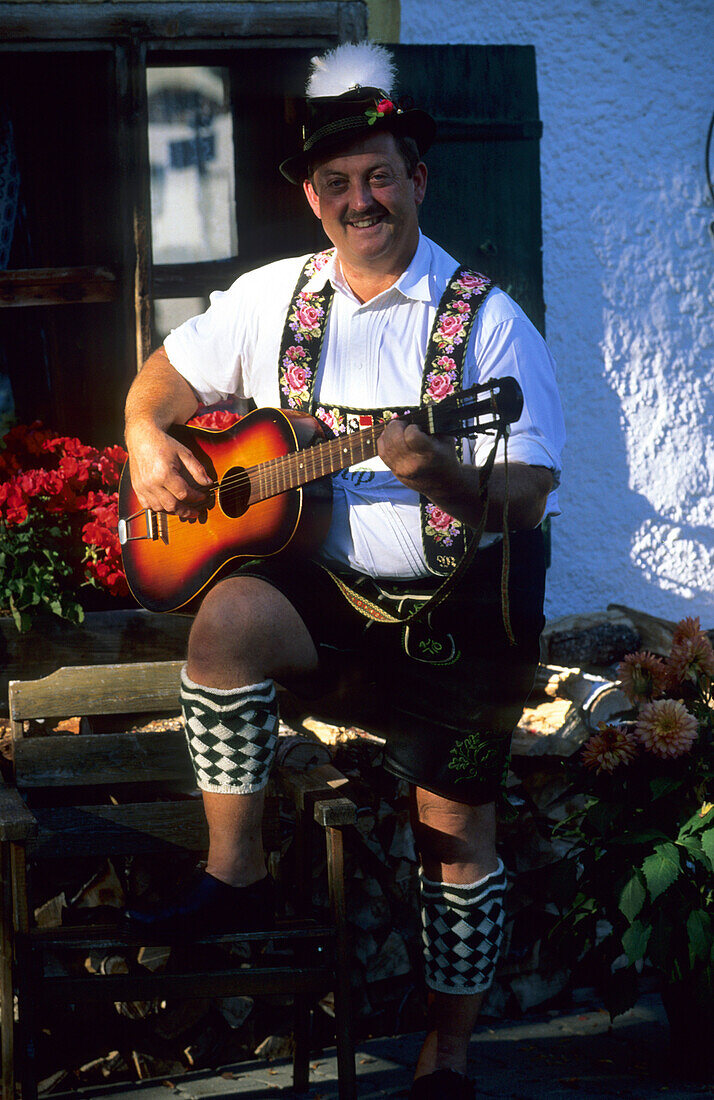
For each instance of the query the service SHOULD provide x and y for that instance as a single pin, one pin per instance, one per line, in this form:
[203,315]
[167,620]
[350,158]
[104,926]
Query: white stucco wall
[625,96]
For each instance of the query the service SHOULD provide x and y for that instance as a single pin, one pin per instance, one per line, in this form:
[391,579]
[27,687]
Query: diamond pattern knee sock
[462,929]
[232,734]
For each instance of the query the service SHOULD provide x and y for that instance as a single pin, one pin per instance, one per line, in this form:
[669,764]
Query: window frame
[136,34]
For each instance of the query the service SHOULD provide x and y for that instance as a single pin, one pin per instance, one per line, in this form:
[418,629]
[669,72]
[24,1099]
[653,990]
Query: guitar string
[262,472]
[266,469]
[331,445]
[310,456]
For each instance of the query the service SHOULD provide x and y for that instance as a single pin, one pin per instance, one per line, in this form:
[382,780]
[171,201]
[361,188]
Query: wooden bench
[117,790]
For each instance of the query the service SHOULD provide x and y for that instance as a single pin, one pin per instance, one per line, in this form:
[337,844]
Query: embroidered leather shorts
[445,693]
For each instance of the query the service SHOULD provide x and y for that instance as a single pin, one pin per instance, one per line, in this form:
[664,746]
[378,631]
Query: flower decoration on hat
[383,108]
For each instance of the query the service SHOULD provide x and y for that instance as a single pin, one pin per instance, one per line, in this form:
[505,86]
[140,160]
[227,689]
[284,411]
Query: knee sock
[232,734]
[462,929]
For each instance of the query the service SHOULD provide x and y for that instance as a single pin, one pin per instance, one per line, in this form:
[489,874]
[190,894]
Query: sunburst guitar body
[169,561]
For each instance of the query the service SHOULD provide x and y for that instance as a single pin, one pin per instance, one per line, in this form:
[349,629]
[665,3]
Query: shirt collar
[417,282]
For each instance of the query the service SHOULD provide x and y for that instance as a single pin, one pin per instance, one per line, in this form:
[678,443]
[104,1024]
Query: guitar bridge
[156,526]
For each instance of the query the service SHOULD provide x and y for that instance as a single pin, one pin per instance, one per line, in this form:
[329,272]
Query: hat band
[357,122]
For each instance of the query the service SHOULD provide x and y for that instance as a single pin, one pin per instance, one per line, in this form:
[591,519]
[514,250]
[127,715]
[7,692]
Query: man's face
[368,205]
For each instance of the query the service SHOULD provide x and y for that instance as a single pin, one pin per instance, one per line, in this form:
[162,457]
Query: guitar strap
[448,544]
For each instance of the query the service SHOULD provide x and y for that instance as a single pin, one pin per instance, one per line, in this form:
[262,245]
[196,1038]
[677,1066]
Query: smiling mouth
[366,223]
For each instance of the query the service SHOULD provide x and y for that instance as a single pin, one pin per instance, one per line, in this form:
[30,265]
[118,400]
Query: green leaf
[621,991]
[562,882]
[659,948]
[602,816]
[635,940]
[639,836]
[662,785]
[633,896]
[693,847]
[661,869]
[697,822]
[699,930]
[708,843]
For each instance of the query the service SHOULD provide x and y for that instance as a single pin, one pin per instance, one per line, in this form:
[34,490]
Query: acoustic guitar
[271,490]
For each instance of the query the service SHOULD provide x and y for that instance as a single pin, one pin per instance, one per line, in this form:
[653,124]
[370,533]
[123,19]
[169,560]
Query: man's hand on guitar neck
[165,475]
[422,462]
[429,465]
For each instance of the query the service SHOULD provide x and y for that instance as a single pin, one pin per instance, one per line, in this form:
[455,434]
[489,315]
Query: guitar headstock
[482,408]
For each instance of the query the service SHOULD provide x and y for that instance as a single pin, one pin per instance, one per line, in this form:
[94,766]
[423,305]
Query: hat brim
[413,123]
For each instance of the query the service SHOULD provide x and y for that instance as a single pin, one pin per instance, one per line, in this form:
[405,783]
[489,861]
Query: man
[383,323]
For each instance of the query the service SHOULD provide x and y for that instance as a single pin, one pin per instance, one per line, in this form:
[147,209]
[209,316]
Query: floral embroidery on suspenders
[443,375]
[300,350]
[303,335]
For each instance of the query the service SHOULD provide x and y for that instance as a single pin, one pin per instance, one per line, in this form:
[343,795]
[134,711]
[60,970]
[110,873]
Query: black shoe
[442,1084]
[209,907]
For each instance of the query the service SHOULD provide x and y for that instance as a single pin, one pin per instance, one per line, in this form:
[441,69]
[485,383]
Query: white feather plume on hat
[364,64]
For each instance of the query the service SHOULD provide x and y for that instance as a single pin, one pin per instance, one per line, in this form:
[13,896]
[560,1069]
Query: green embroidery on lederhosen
[479,756]
[443,537]
[303,335]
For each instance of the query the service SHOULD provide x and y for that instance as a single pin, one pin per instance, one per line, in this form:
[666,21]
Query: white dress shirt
[372,357]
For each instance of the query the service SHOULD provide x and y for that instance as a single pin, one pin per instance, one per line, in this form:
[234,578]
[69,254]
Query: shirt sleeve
[506,343]
[210,350]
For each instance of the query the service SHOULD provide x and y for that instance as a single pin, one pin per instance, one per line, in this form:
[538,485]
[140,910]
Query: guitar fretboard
[278,475]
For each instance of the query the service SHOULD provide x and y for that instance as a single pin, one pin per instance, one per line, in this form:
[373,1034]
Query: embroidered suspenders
[443,536]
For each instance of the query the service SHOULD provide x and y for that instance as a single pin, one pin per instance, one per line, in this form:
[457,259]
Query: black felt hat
[358,106]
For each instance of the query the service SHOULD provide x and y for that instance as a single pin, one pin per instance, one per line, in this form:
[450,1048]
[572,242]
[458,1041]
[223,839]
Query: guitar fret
[291,471]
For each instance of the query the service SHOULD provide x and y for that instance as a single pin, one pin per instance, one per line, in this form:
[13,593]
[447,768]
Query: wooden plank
[291,933]
[16,821]
[55,286]
[177,21]
[140,187]
[484,170]
[195,279]
[304,788]
[467,129]
[105,760]
[7,1041]
[164,827]
[98,689]
[220,983]
[105,637]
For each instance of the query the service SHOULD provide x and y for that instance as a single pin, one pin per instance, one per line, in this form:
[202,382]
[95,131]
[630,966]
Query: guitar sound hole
[234,492]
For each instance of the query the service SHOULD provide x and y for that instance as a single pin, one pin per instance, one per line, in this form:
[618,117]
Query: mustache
[358,215]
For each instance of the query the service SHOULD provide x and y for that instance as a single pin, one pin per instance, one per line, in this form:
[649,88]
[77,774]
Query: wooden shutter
[483,197]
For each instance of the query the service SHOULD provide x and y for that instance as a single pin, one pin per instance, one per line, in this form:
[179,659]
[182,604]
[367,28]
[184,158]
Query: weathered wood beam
[56,286]
[206,21]
[195,279]
[98,689]
[107,760]
[489,129]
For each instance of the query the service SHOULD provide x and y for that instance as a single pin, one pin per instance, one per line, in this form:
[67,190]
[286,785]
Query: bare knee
[457,843]
[245,632]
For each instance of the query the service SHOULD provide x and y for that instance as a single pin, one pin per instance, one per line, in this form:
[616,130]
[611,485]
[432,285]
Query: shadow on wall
[611,545]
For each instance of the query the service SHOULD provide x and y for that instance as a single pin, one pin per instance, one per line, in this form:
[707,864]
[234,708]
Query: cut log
[655,633]
[601,638]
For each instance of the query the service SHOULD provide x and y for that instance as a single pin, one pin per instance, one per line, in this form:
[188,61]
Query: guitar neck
[278,475]
[488,406]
